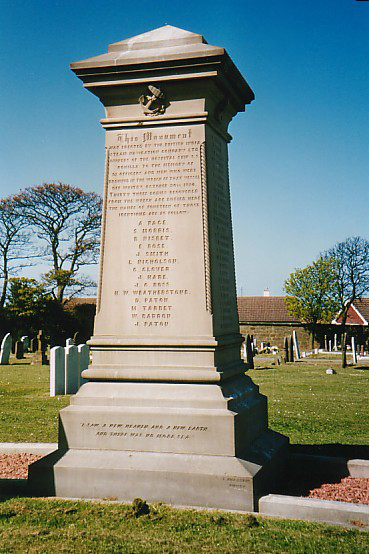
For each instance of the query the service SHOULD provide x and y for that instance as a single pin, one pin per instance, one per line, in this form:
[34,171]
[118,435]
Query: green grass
[64,526]
[304,403]
[27,412]
[312,407]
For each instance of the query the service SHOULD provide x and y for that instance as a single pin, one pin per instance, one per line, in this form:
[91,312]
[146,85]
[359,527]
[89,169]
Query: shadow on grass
[310,466]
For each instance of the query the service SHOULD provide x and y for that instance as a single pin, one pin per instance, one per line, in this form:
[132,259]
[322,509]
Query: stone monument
[168,413]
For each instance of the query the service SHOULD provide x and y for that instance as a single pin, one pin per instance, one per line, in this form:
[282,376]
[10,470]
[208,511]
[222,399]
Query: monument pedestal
[168,413]
[184,444]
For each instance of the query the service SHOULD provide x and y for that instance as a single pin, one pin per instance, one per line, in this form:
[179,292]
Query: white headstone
[6,347]
[335,343]
[330,346]
[296,345]
[353,348]
[57,371]
[71,369]
[83,361]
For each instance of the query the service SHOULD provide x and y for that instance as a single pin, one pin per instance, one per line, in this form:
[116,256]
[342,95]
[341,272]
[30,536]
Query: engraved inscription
[154,178]
[144,430]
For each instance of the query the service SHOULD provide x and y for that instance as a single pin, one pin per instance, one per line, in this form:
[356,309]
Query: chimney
[266,292]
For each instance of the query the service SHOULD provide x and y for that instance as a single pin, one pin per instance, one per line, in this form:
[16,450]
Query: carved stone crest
[153,103]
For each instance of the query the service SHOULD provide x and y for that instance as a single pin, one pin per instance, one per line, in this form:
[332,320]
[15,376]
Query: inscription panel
[153,229]
[158,432]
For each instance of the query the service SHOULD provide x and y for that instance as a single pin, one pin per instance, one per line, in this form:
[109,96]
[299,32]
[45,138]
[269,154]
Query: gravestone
[286,349]
[6,347]
[249,353]
[25,341]
[57,371]
[296,345]
[41,345]
[34,345]
[19,353]
[353,348]
[71,369]
[168,413]
[83,361]
[291,355]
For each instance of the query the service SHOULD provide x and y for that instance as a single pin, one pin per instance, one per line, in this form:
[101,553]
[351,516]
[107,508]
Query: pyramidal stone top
[164,43]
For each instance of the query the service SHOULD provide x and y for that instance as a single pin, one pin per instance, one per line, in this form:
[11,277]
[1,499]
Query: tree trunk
[344,336]
[343,349]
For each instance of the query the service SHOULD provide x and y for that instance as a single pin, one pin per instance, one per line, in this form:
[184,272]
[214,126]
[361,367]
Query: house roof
[263,309]
[358,313]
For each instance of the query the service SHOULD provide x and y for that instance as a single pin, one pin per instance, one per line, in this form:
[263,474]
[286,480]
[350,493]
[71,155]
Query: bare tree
[352,265]
[68,220]
[13,242]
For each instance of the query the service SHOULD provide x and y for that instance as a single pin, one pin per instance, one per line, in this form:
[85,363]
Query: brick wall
[275,334]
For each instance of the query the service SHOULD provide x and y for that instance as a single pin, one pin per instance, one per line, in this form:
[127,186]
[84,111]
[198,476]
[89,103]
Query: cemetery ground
[320,412]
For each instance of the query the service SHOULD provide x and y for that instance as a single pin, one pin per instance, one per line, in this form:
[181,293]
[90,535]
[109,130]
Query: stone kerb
[6,347]
[71,369]
[57,371]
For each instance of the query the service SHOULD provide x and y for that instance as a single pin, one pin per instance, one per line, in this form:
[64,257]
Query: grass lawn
[312,407]
[39,525]
[304,403]
[27,413]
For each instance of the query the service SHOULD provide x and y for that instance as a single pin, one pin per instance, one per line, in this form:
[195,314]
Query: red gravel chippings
[15,466]
[350,489]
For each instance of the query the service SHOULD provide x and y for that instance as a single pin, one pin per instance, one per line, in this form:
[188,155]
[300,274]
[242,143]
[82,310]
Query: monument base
[204,445]
[221,482]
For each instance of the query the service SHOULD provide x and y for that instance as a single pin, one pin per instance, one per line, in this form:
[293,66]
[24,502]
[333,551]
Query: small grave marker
[57,371]
[71,369]
[6,347]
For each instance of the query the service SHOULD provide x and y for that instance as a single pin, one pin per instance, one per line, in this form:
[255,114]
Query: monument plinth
[168,413]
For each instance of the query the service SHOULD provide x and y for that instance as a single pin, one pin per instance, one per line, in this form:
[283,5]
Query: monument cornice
[121,123]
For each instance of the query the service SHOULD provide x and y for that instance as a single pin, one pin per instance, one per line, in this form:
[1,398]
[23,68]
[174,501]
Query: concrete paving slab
[37,448]
[358,468]
[313,509]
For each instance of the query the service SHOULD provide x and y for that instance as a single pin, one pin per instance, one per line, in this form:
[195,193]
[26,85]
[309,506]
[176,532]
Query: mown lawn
[27,412]
[312,407]
[304,403]
[40,525]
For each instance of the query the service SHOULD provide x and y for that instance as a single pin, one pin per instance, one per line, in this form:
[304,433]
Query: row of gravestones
[66,366]
[291,348]
[20,347]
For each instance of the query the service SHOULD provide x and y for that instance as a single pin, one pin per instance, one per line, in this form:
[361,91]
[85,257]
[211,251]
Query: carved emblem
[154,103]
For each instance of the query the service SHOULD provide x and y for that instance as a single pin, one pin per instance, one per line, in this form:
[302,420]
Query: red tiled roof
[363,307]
[263,309]
[78,301]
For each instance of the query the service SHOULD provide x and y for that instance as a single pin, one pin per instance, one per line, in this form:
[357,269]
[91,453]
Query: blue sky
[299,155]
